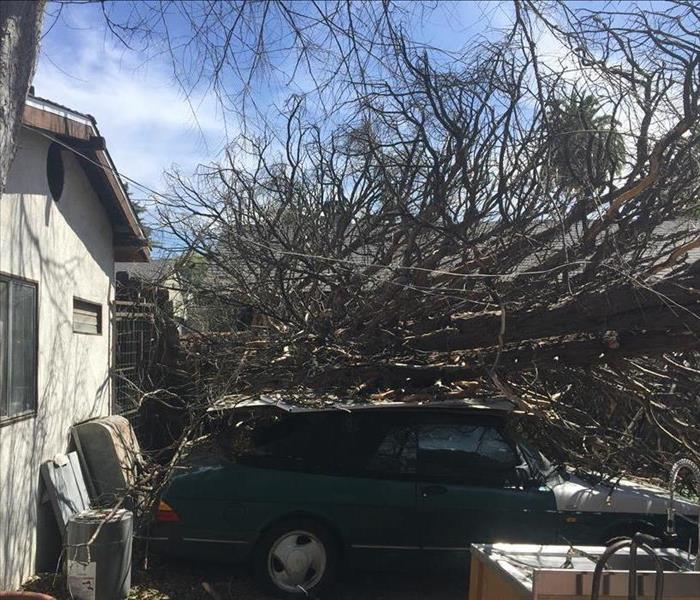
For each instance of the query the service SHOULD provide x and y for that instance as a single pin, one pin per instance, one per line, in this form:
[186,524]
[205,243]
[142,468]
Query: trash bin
[100,570]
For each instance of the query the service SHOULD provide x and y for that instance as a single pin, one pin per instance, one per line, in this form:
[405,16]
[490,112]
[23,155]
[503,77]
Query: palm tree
[587,148]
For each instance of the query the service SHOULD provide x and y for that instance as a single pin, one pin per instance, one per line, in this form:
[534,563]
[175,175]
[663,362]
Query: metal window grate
[136,347]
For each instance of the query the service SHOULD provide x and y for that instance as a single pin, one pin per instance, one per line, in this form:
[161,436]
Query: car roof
[494,405]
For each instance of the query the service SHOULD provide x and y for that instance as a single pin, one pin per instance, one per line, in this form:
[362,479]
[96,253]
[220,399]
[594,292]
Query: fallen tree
[499,222]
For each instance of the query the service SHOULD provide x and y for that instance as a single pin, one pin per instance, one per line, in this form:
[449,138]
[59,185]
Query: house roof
[154,271]
[78,132]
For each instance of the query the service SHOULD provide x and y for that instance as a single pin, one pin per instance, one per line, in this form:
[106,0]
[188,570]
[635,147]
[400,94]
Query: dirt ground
[177,580]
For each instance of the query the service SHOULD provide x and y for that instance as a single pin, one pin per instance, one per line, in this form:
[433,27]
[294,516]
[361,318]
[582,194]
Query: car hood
[624,496]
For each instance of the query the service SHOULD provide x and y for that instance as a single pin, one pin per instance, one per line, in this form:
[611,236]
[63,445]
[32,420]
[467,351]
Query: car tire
[296,558]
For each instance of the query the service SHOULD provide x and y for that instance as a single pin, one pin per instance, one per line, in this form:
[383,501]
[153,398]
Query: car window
[378,446]
[297,442]
[463,452]
[396,453]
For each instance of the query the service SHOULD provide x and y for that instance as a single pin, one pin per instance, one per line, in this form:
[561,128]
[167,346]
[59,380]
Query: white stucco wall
[66,247]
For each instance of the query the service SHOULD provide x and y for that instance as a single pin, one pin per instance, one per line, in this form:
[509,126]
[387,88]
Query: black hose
[633,544]
[602,561]
[644,541]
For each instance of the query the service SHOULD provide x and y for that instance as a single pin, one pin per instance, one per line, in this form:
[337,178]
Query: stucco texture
[66,248]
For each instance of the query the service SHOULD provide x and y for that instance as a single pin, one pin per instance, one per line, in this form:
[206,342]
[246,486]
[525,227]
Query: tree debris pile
[586,329]
[498,221]
[630,416]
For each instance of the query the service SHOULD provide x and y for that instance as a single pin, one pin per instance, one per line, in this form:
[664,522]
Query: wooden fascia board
[56,123]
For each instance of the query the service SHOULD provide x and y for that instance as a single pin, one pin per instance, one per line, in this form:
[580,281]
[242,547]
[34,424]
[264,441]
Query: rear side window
[467,453]
[295,442]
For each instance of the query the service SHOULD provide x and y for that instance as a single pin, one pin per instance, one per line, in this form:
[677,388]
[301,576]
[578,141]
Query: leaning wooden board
[614,586]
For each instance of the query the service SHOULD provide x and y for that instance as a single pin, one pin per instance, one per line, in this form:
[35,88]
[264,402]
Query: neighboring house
[65,218]
[201,294]
[163,273]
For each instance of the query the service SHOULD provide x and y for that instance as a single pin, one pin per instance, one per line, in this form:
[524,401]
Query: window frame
[100,316]
[360,420]
[9,278]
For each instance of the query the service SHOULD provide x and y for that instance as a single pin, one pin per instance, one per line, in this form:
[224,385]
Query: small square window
[87,317]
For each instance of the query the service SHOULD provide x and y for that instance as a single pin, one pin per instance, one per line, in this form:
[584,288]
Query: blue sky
[146,120]
[140,109]
[144,115]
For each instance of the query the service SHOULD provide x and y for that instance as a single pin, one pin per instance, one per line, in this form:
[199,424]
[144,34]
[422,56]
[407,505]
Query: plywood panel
[486,583]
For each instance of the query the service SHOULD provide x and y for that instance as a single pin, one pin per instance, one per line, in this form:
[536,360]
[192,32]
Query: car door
[468,491]
[276,466]
[375,494]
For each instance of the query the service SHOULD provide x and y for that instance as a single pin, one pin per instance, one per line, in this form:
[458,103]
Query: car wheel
[296,558]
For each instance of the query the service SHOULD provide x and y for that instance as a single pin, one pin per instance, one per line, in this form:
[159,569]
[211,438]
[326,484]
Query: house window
[87,317]
[18,353]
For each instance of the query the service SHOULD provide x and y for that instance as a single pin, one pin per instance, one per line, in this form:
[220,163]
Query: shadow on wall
[71,385]
[78,208]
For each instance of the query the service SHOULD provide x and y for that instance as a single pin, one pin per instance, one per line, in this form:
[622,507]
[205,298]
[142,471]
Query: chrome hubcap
[296,560]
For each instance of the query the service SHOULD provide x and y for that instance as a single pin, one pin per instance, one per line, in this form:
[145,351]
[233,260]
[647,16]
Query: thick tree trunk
[20,26]
[670,305]
[582,350]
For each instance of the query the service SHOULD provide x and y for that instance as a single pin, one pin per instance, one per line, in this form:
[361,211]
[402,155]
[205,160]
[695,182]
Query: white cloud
[147,122]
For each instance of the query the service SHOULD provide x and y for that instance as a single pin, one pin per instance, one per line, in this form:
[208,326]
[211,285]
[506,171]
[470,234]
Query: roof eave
[80,133]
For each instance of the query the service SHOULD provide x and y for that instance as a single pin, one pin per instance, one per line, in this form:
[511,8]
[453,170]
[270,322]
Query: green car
[297,492]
